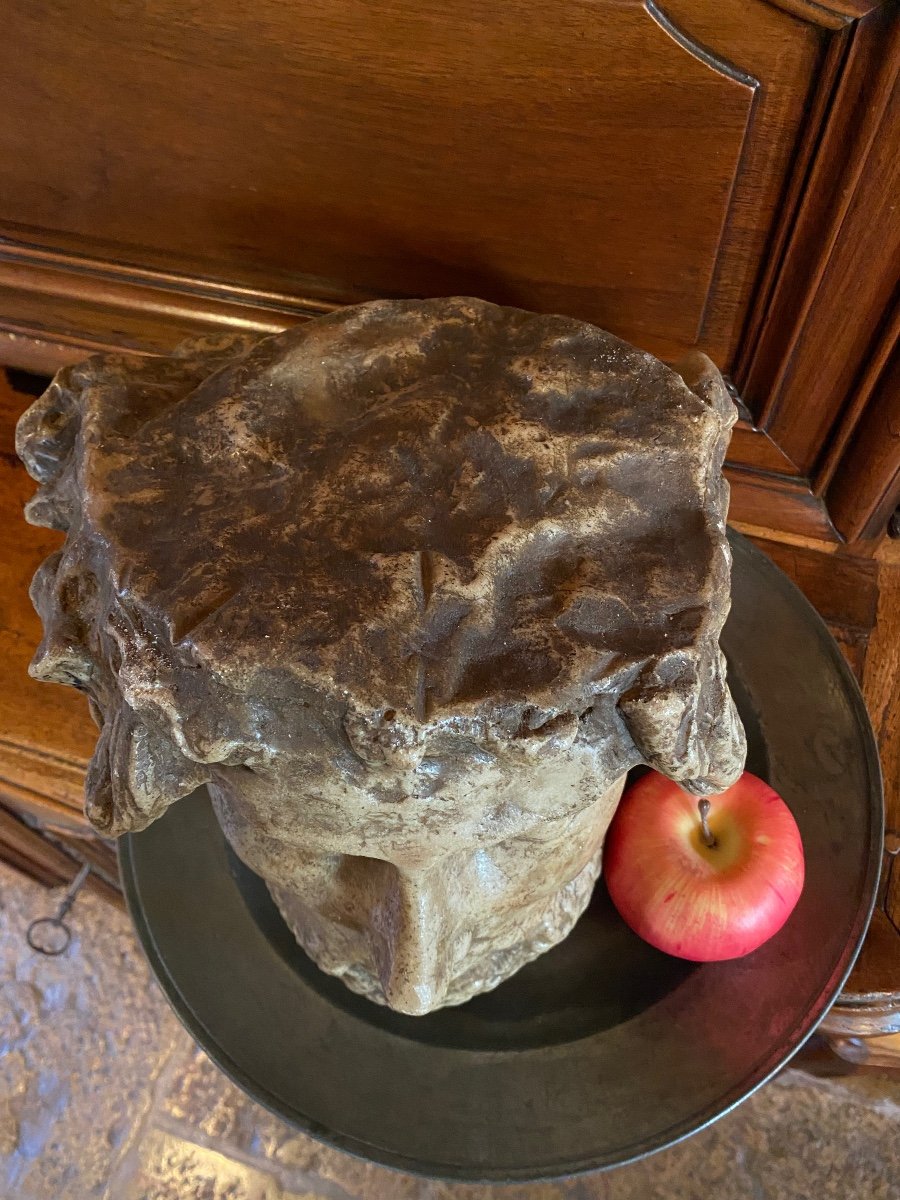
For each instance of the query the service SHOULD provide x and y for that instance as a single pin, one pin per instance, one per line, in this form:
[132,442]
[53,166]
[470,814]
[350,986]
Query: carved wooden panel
[618,161]
[824,323]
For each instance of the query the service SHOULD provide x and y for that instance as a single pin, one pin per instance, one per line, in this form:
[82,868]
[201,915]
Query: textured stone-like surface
[171,1168]
[411,587]
[83,1038]
[103,1095]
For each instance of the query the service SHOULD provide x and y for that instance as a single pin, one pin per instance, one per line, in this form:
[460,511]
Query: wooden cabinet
[712,173]
[720,173]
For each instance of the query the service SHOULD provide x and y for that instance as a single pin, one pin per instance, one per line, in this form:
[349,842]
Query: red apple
[704,880]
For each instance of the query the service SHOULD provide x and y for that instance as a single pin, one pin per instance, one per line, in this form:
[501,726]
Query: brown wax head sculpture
[410,587]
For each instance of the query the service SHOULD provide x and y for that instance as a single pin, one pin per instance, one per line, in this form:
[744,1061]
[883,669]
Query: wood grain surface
[712,173]
[621,163]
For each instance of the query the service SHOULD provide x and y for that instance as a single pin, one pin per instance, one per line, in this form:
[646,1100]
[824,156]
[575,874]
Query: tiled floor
[103,1095]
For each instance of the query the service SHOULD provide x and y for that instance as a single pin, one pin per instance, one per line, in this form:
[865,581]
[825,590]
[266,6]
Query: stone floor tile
[82,1039]
[593,1188]
[826,1140]
[350,1176]
[798,1138]
[197,1096]
[170,1168]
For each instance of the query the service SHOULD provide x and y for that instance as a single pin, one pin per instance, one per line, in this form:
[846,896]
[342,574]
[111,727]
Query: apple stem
[707,833]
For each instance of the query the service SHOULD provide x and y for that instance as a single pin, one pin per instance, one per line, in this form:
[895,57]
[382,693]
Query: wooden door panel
[610,160]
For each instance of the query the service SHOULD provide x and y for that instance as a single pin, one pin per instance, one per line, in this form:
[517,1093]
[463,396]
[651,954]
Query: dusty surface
[411,587]
[102,1095]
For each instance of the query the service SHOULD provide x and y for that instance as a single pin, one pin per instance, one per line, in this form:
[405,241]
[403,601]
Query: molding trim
[880,361]
[803,338]
[62,299]
[753,447]
[698,50]
[811,133]
[778,503]
[865,490]
[831,15]
[41,783]
[13,250]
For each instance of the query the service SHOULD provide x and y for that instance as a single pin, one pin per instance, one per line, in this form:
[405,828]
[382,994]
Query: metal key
[51,935]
